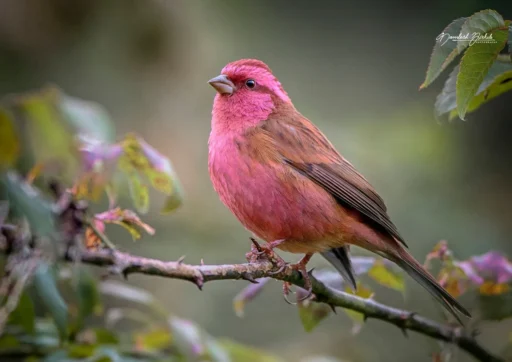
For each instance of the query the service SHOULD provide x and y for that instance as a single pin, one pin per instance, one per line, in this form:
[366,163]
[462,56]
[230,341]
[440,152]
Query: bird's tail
[407,262]
[340,259]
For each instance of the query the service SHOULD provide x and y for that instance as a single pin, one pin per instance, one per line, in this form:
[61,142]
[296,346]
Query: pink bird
[288,185]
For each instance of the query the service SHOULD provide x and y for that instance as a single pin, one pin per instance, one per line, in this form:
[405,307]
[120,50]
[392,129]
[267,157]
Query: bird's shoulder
[292,136]
[292,139]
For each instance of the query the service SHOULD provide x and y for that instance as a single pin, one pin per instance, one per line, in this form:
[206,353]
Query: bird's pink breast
[273,201]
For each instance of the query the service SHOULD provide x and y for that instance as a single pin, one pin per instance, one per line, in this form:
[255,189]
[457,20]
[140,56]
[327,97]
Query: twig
[200,274]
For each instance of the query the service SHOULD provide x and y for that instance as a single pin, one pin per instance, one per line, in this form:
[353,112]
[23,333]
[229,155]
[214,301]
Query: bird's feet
[266,251]
[301,267]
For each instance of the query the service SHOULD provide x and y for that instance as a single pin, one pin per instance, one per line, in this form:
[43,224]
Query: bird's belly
[275,203]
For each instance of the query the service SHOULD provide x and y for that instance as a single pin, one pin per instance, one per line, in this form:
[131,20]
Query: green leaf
[46,287]
[87,293]
[8,342]
[9,141]
[46,335]
[312,313]
[239,352]
[26,201]
[133,294]
[384,275]
[57,356]
[496,82]
[105,336]
[444,51]
[47,136]
[106,354]
[478,24]
[89,118]
[77,351]
[24,314]
[4,210]
[478,59]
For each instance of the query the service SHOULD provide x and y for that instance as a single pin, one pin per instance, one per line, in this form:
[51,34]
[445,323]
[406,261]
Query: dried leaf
[127,219]
[247,295]
[92,241]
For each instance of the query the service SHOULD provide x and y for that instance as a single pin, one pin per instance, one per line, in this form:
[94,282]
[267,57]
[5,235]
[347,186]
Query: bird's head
[247,92]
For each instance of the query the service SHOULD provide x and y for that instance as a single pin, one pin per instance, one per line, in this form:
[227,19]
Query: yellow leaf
[363,292]
[384,276]
[139,193]
[9,142]
[141,159]
[156,339]
[490,288]
[34,173]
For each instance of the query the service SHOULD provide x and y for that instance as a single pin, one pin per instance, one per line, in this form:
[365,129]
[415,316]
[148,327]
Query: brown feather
[298,143]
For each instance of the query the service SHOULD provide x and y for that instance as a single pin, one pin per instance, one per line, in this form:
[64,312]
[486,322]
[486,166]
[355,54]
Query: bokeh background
[353,67]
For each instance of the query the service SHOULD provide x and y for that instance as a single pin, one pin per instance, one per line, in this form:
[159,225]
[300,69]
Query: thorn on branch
[249,278]
[199,281]
[404,332]
[181,259]
[405,319]
[333,308]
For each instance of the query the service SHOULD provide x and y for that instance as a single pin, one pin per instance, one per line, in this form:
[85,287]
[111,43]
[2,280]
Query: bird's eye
[250,83]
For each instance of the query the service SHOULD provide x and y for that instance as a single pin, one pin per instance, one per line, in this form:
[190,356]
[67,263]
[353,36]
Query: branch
[200,274]
[72,220]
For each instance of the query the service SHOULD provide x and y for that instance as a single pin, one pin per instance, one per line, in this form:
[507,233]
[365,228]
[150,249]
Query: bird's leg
[301,268]
[266,250]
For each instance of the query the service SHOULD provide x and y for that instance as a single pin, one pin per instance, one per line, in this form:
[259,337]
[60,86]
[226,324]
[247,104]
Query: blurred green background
[352,67]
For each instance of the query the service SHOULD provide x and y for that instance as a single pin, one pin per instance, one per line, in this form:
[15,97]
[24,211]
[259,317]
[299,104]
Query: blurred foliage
[108,51]
[82,143]
[483,73]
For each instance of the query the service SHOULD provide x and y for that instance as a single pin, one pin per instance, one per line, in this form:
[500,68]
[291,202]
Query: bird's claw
[281,267]
[266,252]
[301,268]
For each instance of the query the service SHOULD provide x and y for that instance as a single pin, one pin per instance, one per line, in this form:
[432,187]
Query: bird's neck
[232,115]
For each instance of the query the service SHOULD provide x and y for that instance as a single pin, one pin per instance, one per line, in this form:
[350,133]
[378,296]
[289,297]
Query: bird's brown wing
[302,146]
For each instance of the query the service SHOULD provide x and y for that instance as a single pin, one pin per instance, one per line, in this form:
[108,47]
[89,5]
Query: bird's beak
[222,84]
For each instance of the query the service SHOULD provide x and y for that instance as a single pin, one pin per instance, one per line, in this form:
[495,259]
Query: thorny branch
[72,223]
[199,274]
